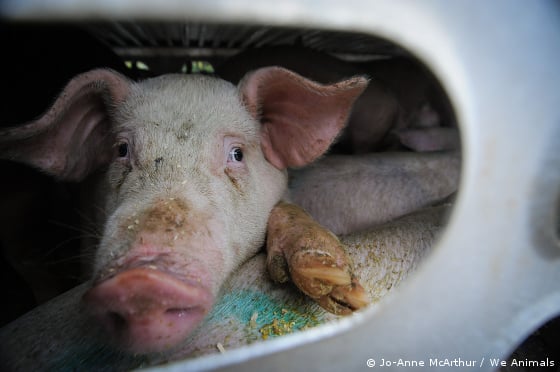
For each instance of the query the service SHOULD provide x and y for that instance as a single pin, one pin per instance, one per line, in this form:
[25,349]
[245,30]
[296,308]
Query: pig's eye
[122,150]
[235,154]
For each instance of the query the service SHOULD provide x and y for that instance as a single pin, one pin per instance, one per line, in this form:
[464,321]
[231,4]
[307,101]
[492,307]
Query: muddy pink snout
[146,310]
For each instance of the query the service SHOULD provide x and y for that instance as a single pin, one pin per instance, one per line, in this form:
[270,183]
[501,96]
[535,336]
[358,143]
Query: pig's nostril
[116,321]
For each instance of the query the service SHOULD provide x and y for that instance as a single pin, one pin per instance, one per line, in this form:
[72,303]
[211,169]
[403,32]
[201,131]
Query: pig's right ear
[300,118]
[73,138]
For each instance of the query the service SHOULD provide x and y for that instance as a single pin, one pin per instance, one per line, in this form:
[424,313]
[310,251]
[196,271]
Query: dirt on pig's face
[189,194]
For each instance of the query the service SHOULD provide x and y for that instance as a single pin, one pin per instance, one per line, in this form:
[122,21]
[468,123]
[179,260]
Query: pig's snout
[146,310]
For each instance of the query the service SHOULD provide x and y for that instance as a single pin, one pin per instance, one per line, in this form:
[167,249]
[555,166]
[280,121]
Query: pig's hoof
[327,278]
[343,300]
[300,249]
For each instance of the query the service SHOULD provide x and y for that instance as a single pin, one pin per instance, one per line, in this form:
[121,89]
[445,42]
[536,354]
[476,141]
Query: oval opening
[385,188]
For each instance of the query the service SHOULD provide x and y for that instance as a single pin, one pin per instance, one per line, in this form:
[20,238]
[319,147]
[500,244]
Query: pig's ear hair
[300,118]
[72,138]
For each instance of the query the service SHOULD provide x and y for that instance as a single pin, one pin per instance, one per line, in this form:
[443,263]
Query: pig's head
[194,166]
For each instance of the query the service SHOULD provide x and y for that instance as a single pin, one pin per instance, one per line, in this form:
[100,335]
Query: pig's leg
[313,257]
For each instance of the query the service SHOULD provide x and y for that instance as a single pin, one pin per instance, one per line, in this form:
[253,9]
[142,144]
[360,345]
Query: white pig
[193,167]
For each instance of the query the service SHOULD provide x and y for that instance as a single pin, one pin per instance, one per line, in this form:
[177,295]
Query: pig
[383,186]
[58,335]
[403,107]
[187,170]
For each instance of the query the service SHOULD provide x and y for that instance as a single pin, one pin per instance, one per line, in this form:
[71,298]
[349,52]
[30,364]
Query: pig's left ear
[300,118]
